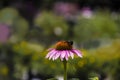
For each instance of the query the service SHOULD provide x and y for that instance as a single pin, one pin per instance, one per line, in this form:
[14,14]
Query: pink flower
[4,33]
[63,50]
[65,8]
[87,12]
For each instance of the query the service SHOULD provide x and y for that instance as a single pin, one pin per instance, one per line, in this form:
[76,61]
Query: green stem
[65,69]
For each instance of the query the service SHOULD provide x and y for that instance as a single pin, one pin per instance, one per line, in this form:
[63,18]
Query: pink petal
[52,54]
[66,56]
[77,52]
[53,58]
[48,55]
[61,58]
[67,52]
[71,54]
[57,55]
[62,55]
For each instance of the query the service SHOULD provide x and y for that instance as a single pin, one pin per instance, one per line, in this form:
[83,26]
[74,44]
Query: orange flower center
[63,45]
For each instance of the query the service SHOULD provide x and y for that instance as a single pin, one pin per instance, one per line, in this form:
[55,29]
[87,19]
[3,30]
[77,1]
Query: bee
[70,42]
[65,45]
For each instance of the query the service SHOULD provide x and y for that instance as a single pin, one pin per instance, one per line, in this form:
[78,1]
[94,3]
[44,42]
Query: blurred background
[29,27]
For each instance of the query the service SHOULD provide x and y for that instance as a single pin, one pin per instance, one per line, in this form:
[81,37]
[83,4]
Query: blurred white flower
[58,31]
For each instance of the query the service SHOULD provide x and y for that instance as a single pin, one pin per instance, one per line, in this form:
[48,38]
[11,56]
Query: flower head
[63,50]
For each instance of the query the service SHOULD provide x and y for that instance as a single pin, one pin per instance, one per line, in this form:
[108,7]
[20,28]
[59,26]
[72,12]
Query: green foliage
[98,26]
[104,61]
[50,23]
[26,52]
[94,78]
[17,24]
[52,79]
[7,15]
[20,27]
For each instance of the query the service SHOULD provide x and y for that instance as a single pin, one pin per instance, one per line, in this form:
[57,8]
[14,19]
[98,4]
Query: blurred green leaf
[51,24]
[7,15]
[99,26]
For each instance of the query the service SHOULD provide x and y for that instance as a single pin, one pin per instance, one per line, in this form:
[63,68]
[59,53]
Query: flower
[87,12]
[4,33]
[63,50]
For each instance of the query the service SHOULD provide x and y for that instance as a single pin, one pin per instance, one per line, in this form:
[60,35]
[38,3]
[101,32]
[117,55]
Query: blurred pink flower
[64,8]
[63,50]
[87,12]
[4,33]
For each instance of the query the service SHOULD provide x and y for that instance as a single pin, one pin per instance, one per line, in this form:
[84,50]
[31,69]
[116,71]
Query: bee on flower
[63,50]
